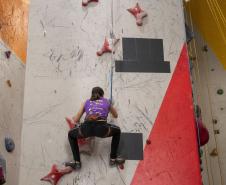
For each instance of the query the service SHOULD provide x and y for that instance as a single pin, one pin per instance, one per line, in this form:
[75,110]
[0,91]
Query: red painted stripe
[172,157]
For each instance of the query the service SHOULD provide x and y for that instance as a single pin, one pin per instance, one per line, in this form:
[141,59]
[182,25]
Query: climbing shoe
[76,165]
[118,160]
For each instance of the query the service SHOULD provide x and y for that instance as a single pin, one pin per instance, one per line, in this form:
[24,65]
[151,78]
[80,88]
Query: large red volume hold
[172,158]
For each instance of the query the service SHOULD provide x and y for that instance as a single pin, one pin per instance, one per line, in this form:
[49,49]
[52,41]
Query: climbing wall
[63,66]
[207,68]
[12,73]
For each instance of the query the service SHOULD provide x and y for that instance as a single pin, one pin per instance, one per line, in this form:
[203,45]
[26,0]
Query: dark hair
[97,93]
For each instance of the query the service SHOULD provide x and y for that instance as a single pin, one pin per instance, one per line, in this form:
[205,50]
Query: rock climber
[95,124]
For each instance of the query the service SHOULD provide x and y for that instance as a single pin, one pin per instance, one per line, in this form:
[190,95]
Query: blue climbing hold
[9,144]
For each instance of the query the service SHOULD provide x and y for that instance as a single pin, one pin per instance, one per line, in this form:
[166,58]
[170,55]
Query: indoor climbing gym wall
[210,96]
[12,73]
[136,51]
[13,43]
[206,19]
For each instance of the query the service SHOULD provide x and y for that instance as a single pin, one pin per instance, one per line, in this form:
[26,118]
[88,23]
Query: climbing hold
[55,174]
[2,177]
[216,131]
[220,91]
[203,132]
[205,48]
[214,152]
[148,142]
[86,2]
[105,48]
[9,144]
[192,58]
[121,166]
[138,13]
[70,123]
[214,121]
[8,82]
[189,33]
[7,54]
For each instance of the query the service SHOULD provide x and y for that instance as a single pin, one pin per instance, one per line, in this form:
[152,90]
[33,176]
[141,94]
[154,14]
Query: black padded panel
[131,146]
[142,55]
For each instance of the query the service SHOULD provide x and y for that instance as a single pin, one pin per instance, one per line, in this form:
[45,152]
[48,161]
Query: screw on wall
[7,54]
[214,152]
[8,82]
[216,131]
[138,13]
[86,2]
[222,108]
[212,69]
[205,48]
[220,91]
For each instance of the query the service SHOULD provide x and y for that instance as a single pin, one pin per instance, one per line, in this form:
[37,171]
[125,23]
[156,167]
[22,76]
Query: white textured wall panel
[62,68]
[11,100]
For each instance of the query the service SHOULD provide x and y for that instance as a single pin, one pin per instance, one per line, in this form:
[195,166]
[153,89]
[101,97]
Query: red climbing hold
[138,13]
[121,166]
[55,174]
[86,2]
[148,142]
[70,123]
[105,49]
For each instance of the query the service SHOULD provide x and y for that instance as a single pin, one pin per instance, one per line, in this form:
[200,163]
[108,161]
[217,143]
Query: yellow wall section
[209,17]
[14,24]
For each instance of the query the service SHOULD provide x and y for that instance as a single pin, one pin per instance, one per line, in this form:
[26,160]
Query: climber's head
[97,93]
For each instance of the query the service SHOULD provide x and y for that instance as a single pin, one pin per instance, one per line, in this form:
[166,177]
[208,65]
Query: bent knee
[115,129]
[73,133]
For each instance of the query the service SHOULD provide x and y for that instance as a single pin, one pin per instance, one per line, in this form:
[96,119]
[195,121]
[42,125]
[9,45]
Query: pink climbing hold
[55,174]
[138,13]
[105,48]
[86,2]
[70,123]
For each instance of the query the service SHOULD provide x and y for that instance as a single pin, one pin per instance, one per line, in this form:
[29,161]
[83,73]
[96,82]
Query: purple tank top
[98,108]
